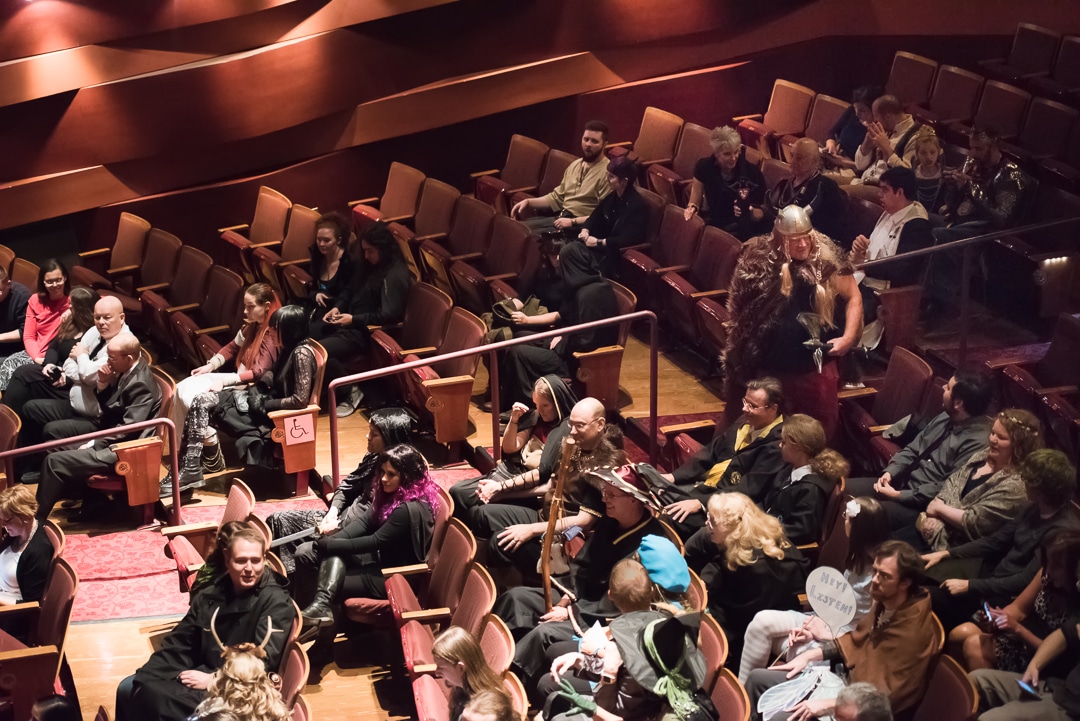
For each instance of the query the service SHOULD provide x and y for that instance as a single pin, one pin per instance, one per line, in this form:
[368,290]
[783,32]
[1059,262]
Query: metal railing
[76,441]
[493,370]
[965,245]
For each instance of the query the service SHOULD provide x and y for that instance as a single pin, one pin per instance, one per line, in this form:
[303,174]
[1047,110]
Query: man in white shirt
[903,227]
[889,143]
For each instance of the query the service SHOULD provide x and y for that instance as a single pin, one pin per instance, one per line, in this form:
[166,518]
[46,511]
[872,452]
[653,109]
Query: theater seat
[398,202]
[1046,132]
[555,166]
[707,277]
[271,259]
[520,173]
[1063,82]
[1001,106]
[956,91]
[433,217]
[1033,51]
[116,266]
[824,113]
[673,251]
[655,141]
[512,256]
[25,272]
[788,109]
[672,184]
[186,289]
[200,329]
[599,369]
[156,270]
[267,226]
[427,313]
[910,77]
[467,239]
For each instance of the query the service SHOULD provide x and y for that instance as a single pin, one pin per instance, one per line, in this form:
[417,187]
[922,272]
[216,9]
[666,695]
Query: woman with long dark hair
[387,427]
[376,295]
[396,531]
[331,266]
[242,413]
[45,311]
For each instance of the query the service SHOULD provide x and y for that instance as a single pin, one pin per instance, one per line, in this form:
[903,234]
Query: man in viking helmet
[795,308]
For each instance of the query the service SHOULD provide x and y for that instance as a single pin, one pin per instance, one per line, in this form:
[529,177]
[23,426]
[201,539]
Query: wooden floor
[358,683]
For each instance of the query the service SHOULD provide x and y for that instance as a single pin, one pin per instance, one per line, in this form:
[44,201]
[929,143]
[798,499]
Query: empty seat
[1063,82]
[708,277]
[1033,51]
[950,694]
[446,580]
[200,329]
[267,226]
[25,272]
[156,270]
[713,644]
[7,255]
[910,77]
[443,389]
[730,698]
[956,91]
[824,113]
[512,256]
[520,174]
[1001,106]
[187,287]
[467,239]
[1046,133]
[433,216]
[555,165]
[1064,172]
[116,266]
[674,249]
[271,259]
[656,138]
[672,183]
[788,109]
[398,202]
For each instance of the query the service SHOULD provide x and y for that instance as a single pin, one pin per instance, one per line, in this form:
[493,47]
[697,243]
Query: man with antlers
[247,604]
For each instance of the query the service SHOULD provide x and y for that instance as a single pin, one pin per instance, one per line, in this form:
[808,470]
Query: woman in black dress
[331,267]
[619,220]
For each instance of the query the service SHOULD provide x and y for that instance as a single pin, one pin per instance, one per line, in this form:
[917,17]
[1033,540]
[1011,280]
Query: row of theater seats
[19,270]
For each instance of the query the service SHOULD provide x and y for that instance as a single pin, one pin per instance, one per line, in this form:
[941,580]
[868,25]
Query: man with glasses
[746,459]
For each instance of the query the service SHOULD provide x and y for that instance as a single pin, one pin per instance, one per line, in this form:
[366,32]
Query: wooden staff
[555,511]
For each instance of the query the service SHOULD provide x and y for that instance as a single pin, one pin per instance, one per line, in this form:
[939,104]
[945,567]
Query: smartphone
[986,610]
[1028,688]
[55,372]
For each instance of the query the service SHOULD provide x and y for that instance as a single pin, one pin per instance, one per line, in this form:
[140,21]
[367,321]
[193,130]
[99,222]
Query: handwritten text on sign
[831,597]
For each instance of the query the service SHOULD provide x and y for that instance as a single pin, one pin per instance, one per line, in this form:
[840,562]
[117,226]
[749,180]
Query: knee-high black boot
[320,612]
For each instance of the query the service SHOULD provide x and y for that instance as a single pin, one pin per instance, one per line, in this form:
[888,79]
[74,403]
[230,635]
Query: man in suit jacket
[745,459]
[127,393]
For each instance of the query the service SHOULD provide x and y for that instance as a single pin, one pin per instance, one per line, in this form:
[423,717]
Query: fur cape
[755,302]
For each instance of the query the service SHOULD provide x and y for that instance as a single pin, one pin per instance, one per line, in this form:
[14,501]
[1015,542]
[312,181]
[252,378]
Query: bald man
[127,393]
[807,188]
[73,396]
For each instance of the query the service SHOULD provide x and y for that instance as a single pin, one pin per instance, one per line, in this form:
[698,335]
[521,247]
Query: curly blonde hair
[808,434]
[242,686]
[18,502]
[747,528]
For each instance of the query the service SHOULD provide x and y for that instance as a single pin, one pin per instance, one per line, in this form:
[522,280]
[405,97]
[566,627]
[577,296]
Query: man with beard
[891,647]
[584,185]
[780,277]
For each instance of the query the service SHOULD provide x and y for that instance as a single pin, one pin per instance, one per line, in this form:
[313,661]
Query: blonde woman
[25,550]
[754,566]
[460,662]
[243,687]
[987,490]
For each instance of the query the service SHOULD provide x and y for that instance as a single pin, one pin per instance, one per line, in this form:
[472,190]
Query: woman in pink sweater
[44,313]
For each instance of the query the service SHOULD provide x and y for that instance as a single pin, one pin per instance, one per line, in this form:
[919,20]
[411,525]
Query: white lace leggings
[765,637]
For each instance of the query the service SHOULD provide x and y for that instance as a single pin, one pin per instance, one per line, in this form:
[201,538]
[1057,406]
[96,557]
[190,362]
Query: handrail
[964,242]
[493,370]
[964,245]
[125,430]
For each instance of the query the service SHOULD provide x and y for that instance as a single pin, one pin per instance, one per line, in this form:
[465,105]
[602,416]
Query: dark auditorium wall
[178,109]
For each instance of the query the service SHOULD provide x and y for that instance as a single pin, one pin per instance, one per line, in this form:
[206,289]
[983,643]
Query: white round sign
[831,597]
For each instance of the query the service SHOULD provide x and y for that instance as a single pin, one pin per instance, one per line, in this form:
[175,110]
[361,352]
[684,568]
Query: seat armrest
[153,286]
[755,116]
[598,351]
[182,308]
[399,218]
[525,189]
[676,428]
[708,294]
[19,609]
[423,669]
[95,252]
[188,529]
[657,161]
[136,443]
[211,330]
[640,247]
[878,430]
[482,173]
[500,276]
[856,393]
[294,412]
[430,236]
[466,256]
[418,351]
[121,271]
[267,244]
[671,269]
[242,226]
[427,615]
[621,144]
[411,570]
[363,201]
[298,261]
[1056,390]
[452,380]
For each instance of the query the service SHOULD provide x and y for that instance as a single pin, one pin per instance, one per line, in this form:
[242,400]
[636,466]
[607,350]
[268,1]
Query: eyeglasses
[579,426]
[749,405]
[709,522]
